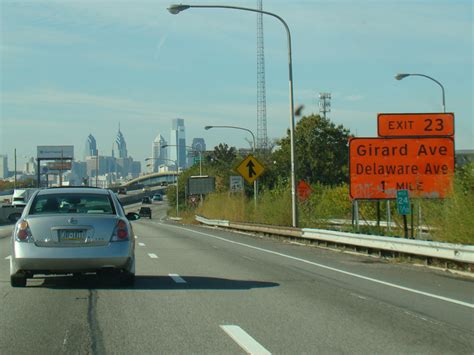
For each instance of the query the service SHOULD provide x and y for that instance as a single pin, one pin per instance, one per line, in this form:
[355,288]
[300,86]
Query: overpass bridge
[153,179]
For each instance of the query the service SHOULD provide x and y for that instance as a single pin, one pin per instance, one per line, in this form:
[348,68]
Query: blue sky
[70,68]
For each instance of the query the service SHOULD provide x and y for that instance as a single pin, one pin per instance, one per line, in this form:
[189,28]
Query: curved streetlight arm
[401,76]
[235,127]
[175,9]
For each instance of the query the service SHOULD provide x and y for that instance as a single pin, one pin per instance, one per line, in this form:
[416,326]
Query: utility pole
[14,182]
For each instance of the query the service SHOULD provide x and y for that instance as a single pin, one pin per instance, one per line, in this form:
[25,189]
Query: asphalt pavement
[209,291]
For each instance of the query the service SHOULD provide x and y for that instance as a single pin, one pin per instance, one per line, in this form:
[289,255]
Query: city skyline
[159,155]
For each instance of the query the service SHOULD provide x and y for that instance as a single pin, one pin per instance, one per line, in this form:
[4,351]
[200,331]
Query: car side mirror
[132,216]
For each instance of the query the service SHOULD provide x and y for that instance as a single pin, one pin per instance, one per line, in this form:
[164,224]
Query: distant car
[157,197]
[146,200]
[73,230]
[145,188]
[122,191]
[145,212]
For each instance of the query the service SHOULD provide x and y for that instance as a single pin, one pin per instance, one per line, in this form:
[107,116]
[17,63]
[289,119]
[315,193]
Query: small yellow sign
[250,168]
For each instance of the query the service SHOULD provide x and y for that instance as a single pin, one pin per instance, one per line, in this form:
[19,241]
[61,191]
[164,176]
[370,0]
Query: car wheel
[127,278]
[150,217]
[18,280]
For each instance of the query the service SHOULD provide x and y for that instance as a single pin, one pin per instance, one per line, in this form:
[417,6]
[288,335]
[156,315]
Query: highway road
[209,291]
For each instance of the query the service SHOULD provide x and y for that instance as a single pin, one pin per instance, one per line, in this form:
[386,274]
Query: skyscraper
[178,142]
[198,145]
[158,154]
[91,147]
[120,145]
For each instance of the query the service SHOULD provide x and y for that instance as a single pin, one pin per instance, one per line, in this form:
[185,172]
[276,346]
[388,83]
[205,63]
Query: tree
[321,151]
[224,154]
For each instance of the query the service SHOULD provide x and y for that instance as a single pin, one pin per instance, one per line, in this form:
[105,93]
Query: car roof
[73,190]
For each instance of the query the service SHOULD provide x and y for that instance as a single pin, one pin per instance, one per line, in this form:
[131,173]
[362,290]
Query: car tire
[18,280]
[127,278]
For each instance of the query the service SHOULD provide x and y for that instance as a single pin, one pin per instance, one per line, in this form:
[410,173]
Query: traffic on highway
[202,290]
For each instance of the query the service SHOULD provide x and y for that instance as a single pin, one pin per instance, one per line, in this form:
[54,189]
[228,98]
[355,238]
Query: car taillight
[23,232]
[121,231]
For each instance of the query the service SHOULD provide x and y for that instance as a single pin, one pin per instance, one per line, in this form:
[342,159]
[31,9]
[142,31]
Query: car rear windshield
[72,203]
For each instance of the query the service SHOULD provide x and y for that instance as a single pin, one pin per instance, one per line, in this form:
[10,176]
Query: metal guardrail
[446,251]
[212,222]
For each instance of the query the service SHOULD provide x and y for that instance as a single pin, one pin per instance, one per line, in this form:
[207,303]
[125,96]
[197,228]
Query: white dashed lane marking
[141,244]
[176,278]
[153,256]
[8,257]
[245,341]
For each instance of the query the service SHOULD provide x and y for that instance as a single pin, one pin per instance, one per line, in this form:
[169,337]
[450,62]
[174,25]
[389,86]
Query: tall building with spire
[158,154]
[198,145]
[177,147]
[120,145]
[90,148]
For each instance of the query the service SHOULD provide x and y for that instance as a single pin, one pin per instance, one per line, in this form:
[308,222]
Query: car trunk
[72,230]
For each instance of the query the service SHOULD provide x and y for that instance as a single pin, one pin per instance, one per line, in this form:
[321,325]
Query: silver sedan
[72,230]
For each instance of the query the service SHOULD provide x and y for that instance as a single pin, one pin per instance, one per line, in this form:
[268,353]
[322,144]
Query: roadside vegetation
[323,147]
[9,185]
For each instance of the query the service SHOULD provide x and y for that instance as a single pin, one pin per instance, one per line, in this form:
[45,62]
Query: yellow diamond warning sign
[250,169]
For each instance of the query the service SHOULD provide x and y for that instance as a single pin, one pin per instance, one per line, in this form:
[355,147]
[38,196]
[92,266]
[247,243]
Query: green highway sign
[403,202]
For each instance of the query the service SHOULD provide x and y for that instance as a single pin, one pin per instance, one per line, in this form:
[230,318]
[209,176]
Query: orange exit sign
[415,124]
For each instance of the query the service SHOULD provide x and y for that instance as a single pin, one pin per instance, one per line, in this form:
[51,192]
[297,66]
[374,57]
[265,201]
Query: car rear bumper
[29,257]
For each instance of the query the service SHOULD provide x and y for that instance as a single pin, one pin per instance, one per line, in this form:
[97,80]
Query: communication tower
[262,140]
[324,103]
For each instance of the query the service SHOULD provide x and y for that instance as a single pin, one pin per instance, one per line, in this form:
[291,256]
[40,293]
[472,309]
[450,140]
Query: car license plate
[71,235]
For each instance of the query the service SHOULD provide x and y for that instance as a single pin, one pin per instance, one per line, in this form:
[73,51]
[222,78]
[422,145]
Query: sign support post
[389,222]
[356,214]
[378,215]
[405,226]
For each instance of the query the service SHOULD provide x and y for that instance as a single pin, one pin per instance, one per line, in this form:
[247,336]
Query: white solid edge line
[141,244]
[153,256]
[427,294]
[176,278]
[245,341]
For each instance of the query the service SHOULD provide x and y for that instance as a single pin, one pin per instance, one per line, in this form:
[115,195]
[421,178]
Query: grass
[450,220]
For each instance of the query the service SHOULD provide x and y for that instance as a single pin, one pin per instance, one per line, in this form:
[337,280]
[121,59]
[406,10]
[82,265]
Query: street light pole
[253,150]
[175,9]
[403,76]
[14,181]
